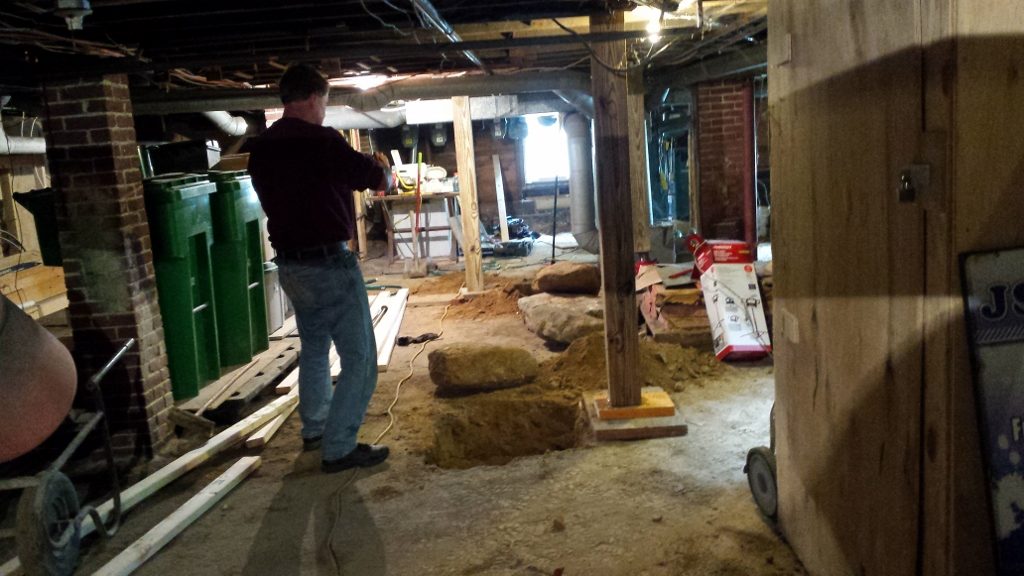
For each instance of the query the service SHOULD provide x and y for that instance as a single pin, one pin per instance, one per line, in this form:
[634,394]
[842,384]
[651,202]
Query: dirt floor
[458,497]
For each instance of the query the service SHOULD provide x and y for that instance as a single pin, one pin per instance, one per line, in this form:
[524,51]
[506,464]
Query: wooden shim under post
[467,193]
[622,346]
[499,189]
[160,535]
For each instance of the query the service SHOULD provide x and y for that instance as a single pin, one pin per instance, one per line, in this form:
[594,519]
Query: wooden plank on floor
[244,383]
[230,436]
[636,429]
[160,535]
[287,329]
[275,361]
[138,492]
[387,345]
[291,380]
[261,437]
[334,360]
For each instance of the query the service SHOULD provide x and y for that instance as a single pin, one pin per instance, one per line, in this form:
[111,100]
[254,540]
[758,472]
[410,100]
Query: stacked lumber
[140,491]
[232,391]
[676,315]
[37,289]
[386,330]
[388,308]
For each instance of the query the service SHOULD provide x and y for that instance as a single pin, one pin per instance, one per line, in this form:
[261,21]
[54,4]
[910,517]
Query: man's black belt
[313,252]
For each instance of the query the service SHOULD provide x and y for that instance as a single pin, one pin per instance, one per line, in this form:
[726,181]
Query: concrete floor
[676,506]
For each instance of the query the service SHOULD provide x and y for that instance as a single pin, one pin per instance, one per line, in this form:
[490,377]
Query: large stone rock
[568,278]
[458,368]
[562,318]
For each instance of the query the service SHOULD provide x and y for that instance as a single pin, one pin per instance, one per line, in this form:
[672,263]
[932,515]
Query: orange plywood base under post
[654,403]
[655,417]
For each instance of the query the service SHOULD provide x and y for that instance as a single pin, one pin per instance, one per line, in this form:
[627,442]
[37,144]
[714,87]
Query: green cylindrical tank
[178,209]
[237,253]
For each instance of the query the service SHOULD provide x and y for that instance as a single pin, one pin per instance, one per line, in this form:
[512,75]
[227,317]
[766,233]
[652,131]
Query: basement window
[545,150]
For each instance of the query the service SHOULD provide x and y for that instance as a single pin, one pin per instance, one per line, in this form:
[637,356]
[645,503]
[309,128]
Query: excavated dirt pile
[670,366]
[496,427]
[499,299]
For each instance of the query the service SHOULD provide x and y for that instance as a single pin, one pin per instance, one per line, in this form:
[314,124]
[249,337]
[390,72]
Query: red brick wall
[720,157]
[108,261]
[484,146]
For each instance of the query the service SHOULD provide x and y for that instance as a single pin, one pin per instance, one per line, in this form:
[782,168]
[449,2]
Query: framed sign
[993,287]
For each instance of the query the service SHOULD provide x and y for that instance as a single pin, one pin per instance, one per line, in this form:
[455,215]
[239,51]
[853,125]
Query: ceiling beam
[747,60]
[410,89]
[84,66]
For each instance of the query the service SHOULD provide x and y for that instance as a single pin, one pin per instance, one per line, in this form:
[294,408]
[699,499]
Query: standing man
[304,174]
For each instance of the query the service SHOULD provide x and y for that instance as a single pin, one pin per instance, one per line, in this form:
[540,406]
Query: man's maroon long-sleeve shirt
[304,175]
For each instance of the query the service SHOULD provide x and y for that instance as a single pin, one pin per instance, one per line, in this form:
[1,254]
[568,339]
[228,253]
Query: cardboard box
[736,311]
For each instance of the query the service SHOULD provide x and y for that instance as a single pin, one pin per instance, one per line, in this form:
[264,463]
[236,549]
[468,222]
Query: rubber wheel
[48,537]
[760,471]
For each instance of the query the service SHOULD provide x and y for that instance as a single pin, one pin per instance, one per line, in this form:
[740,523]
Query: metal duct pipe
[582,198]
[230,125]
[11,145]
[407,89]
[581,100]
[344,118]
[435,19]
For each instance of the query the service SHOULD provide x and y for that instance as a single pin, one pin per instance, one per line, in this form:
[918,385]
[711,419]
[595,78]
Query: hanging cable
[619,70]
[381,20]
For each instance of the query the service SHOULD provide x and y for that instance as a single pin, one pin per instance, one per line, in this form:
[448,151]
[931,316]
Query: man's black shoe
[310,444]
[363,456]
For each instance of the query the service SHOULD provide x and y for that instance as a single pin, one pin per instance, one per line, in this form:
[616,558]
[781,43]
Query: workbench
[435,210]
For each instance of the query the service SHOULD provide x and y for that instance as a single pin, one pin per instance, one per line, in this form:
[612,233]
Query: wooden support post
[639,183]
[359,198]
[360,204]
[467,193]
[615,211]
[499,189]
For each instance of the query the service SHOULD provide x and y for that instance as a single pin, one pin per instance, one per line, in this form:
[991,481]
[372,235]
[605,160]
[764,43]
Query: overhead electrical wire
[618,70]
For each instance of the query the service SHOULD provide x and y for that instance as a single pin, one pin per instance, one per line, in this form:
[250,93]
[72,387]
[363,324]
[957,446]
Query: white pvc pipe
[230,125]
[11,145]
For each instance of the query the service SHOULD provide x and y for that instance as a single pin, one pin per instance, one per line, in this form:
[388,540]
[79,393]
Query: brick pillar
[720,147]
[108,262]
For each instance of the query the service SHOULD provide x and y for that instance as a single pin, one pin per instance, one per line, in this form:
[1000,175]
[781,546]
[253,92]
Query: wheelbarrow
[761,475]
[49,520]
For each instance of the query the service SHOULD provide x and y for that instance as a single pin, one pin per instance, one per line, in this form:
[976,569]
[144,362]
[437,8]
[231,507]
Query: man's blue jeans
[329,296]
